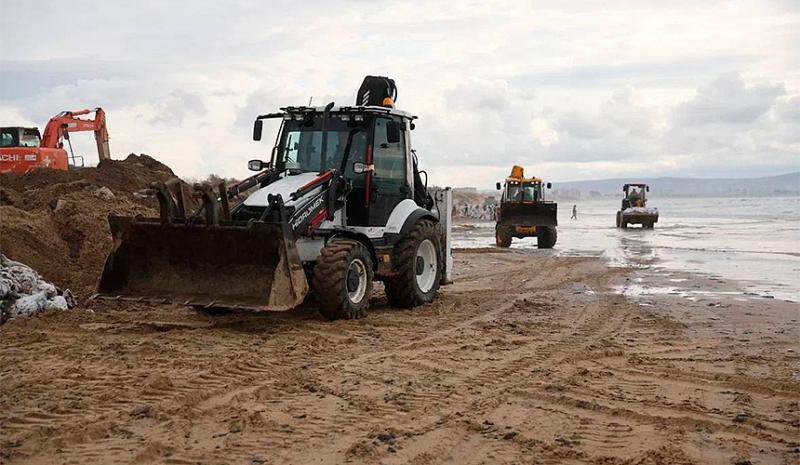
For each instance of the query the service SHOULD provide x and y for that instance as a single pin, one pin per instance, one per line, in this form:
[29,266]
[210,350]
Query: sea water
[755,241]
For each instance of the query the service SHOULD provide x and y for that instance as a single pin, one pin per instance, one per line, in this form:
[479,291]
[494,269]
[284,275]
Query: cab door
[388,183]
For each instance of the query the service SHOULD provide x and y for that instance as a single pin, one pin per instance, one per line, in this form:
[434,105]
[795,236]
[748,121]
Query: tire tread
[329,281]
[401,291]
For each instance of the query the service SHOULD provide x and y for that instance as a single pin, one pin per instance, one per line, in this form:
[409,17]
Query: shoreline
[754,271]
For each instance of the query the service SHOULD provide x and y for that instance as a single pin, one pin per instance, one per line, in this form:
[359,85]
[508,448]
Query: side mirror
[256,165]
[549,185]
[392,132]
[623,188]
[360,168]
[257,128]
[498,186]
[412,126]
[648,188]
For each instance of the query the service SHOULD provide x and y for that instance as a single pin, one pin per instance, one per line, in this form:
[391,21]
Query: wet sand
[526,358]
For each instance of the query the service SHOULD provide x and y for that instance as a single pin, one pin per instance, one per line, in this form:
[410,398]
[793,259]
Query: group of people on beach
[476,211]
[488,212]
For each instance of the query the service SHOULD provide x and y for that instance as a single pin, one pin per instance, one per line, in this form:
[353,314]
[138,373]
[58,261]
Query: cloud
[478,95]
[577,125]
[21,80]
[730,126]
[649,70]
[625,126]
[788,110]
[728,100]
[632,112]
[569,91]
[173,109]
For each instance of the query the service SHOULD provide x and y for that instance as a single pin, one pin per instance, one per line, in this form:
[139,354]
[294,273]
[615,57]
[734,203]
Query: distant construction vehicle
[25,149]
[634,207]
[524,212]
[341,202]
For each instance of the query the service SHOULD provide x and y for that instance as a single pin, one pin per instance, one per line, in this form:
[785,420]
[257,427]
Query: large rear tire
[547,236]
[343,280]
[419,264]
[502,236]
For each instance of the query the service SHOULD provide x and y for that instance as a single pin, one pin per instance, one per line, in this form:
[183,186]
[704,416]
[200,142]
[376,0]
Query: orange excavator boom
[67,121]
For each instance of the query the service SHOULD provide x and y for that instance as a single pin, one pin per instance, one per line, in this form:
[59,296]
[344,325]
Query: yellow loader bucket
[234,265]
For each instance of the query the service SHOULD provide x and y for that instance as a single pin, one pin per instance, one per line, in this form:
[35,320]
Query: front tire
[546,237]
[502,237]
[419,266]
[343,280]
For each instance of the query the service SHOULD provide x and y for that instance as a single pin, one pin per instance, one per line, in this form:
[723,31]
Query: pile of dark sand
[56,221]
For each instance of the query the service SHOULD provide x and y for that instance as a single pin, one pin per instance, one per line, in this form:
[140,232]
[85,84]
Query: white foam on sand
[24,292]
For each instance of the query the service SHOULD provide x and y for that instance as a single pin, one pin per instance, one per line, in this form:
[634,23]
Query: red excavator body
[25,149]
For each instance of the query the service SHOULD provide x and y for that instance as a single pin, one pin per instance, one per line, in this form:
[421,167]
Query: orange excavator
[25,149]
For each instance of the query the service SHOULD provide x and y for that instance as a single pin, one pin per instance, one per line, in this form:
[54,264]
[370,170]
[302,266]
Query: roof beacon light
[387,102]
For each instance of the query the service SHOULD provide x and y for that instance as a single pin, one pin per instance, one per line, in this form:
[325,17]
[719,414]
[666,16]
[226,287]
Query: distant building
[566,194]
[466,190]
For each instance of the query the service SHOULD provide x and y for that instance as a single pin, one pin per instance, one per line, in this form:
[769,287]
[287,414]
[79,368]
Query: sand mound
[56,221]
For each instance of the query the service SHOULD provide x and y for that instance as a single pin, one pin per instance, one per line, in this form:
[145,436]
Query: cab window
[389,158]
[30,138]
[513,193]
[8,137]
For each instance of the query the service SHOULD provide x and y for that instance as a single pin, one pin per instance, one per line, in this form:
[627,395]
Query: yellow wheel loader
[524,212]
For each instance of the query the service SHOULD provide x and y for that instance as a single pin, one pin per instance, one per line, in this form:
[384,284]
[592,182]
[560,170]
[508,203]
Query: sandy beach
[526,358]
[400,233]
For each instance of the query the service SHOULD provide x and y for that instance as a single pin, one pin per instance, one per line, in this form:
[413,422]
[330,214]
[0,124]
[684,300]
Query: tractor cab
[519,189]
[523,191]
[21,150]
[369,146]
[635,195]
[20,137]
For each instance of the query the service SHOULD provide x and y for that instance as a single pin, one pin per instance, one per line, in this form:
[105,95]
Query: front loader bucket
[234,265]
[530,214]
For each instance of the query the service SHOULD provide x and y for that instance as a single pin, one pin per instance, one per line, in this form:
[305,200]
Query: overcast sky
[594,90]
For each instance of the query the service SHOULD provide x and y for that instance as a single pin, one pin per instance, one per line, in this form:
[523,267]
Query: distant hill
[782,185]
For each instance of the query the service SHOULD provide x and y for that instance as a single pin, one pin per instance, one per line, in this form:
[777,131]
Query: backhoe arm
[68,121]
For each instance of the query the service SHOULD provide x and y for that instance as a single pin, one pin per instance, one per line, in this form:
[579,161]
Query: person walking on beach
[574,212]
